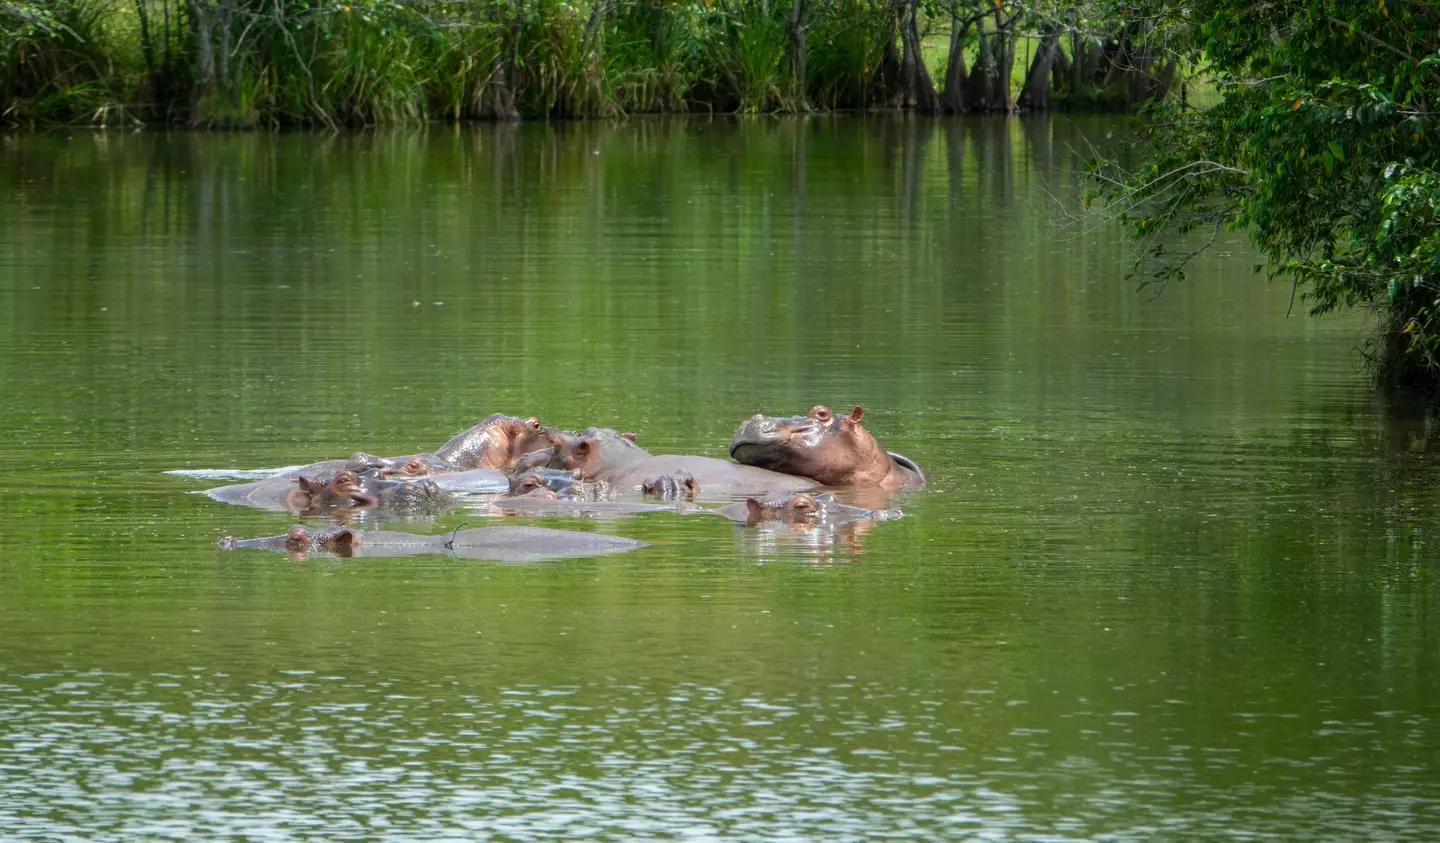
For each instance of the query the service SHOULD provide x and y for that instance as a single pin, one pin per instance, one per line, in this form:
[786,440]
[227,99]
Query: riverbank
[252,63]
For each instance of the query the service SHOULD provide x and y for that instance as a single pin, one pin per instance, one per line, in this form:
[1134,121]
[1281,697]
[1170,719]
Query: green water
[1171,580]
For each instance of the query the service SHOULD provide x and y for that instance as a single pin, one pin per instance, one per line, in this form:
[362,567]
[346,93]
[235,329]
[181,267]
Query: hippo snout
[226,543]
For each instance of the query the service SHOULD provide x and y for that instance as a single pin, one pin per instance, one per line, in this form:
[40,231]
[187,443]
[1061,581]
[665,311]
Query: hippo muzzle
[761,432]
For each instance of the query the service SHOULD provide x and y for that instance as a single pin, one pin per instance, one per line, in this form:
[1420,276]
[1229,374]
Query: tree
[1324,146]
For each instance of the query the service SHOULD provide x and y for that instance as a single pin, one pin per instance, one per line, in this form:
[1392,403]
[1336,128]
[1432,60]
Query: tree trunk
[1006,69]
[798,27]
[978,95]
[889,71]
[919,89]
[202,27]
[1164,79]
[226,13]
[953,99]
[1078,79]
[1035,96]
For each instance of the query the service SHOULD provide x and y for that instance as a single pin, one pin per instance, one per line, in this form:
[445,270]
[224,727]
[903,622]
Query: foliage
[332,63]
[1324,146]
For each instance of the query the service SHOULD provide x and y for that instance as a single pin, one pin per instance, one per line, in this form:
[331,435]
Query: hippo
[833,451]
[605,454]
[420,465]
[563,484]
[501,544]
[411,497]
[536,459]
[670,487]
[495,443]
[345,489]
[801,509]
[349,489]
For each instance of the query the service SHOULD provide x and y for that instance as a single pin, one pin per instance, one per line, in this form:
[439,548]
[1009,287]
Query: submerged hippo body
[347,490]
[276,494]
[831,450]
[495,443]
[500,544]
[801,510]
[605,454]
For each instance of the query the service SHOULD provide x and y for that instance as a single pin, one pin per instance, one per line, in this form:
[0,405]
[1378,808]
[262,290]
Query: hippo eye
[536,426]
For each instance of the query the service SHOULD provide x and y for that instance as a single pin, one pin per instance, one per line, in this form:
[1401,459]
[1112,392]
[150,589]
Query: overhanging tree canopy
[1324,145]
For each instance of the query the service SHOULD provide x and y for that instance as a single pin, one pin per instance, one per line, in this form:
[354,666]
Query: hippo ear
[689,482]
[583,448]
[857,414]
[629,436]
[755,510]
[309,485]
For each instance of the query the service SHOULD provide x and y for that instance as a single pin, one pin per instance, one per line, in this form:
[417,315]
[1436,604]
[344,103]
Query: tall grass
[55,64]
[333,63]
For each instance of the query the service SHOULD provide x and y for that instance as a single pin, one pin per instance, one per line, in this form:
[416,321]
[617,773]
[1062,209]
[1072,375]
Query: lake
[1171,578]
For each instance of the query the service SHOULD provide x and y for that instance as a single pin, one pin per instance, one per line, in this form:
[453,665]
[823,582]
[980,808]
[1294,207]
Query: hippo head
[595,451]
[300,541]
[829,449]
[496,442]
[420,465]
[418,496]
[681,485]
[529,483]
[538,458]
[797,509]
[346,489]
[311,493]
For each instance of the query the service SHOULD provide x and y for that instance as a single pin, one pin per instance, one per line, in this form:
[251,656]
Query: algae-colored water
[1172,579]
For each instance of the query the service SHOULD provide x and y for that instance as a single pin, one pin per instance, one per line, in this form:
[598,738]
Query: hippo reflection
[500,544]
[802,510]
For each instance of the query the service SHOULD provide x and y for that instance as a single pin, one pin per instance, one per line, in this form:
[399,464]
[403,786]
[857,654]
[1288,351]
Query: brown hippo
[833,451]
[501,544]
[801,509]
[345,489]
[497,442]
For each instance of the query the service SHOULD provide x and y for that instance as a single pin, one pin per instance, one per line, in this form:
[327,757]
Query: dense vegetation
[1324,145]
[369,62]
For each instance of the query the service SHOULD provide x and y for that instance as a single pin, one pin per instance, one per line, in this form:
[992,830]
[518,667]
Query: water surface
[1171,579]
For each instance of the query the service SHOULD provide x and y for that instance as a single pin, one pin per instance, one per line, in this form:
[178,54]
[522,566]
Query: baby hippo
[801,509]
